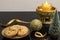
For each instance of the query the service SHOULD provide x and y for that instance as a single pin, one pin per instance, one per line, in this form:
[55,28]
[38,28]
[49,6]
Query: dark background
[26,16]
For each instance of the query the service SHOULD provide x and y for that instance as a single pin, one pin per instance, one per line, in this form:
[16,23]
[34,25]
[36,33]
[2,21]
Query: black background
[26,16]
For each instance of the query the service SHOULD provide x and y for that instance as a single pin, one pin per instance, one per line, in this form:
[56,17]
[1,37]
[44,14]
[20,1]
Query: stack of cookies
[15,31]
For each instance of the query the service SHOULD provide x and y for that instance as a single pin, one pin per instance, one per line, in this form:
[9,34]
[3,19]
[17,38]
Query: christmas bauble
[36,24]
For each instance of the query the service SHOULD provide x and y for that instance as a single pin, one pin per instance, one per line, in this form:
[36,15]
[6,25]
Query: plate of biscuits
[15,31]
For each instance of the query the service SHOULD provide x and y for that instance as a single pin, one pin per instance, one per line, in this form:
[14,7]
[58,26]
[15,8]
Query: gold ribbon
[21,21]
[11,21]
[39,35]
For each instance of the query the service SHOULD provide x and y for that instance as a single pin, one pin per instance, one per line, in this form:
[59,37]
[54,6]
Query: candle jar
[46,16]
